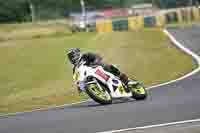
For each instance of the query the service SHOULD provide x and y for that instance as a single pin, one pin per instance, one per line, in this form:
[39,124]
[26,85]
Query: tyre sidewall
[96,98]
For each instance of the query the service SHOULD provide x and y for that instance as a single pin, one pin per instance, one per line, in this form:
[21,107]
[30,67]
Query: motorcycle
[103,86]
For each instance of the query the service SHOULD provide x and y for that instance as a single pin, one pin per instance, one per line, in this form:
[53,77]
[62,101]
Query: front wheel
[98,93]
[138,92]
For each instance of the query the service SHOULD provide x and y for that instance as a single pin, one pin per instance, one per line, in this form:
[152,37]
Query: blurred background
[37,10]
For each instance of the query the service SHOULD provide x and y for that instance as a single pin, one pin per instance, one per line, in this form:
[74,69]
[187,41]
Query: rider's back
[91,59]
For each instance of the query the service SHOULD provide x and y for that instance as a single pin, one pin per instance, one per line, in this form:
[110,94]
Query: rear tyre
[99,94]
[138,92]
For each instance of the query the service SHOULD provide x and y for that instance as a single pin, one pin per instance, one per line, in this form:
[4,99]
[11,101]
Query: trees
[26,10]
[12,10]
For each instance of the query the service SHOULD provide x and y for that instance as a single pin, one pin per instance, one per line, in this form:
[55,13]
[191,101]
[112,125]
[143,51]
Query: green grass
[35,74]
[183,24]
[33,30]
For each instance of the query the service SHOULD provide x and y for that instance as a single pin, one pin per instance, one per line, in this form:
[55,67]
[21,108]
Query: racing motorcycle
[103,86]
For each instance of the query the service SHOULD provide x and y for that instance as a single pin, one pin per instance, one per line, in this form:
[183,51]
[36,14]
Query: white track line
[44,109]
[154,126]
[186,50]
[197,58]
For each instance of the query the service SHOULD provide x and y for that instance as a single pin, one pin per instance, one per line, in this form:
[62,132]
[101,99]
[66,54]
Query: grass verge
[35,74]
[183,24]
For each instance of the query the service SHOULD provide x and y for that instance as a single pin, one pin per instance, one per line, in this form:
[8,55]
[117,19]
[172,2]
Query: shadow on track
[92,104]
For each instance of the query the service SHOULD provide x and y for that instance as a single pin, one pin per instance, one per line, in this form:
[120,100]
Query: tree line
[28,10]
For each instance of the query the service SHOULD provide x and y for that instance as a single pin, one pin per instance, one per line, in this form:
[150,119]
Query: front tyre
[98,93]
[138,92]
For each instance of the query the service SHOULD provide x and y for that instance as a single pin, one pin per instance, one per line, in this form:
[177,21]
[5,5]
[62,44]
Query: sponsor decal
[102,74]
[115,81]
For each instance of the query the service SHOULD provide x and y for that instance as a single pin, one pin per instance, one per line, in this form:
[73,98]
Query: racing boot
[124,78]
[127,82]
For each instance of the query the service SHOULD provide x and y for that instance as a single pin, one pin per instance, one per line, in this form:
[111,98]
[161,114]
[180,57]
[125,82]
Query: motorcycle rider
[92,59]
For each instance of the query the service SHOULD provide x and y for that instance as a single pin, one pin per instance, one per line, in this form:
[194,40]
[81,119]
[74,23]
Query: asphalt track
[174,102]
[193,127]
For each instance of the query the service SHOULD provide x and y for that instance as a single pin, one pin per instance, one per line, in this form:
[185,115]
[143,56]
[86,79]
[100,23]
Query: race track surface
[175,102]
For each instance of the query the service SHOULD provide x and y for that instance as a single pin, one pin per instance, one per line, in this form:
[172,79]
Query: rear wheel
[99,93]
[138,91]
